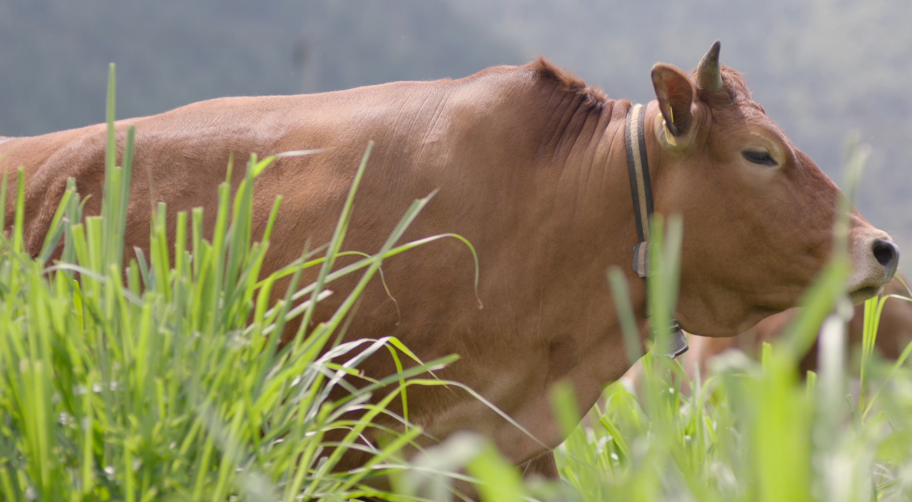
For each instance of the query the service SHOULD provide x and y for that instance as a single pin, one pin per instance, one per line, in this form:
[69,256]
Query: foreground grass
[164,381]
[753,431]
[161,381]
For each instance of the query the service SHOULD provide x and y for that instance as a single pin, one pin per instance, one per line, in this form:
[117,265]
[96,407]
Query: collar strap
[640,187]
[641,190]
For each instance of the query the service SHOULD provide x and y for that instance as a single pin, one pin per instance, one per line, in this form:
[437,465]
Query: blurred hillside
[173,52]
[821,68]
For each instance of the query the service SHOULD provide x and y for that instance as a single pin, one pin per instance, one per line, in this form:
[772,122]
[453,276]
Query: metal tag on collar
[677,341]
[641,259]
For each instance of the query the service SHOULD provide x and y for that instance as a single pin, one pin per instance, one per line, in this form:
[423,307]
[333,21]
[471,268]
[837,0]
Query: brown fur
[531,168]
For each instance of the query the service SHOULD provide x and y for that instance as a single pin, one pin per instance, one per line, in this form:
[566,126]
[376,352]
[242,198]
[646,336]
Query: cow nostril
[887,254]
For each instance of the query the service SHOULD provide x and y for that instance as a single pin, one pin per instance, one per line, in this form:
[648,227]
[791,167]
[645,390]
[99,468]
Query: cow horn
[709,77]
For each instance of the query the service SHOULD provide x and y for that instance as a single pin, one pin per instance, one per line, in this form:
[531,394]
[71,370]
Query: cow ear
[675,93]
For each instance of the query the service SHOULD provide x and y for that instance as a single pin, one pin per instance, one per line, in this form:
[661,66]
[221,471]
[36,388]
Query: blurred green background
[821,68]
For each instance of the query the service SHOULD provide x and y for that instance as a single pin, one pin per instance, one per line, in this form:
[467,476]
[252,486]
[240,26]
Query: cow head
[758,213]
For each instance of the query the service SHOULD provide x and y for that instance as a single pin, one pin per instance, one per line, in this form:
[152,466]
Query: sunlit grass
[164,380]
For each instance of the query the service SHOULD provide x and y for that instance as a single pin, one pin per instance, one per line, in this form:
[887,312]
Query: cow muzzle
[874,260]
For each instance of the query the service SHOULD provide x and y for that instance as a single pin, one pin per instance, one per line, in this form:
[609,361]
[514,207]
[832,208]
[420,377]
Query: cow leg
[543,465]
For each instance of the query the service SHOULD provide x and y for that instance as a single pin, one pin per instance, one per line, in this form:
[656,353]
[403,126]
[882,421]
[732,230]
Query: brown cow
[893,334]
[531,167]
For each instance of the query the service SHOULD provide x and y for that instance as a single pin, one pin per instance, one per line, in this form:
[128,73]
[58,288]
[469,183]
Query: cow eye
[759,157]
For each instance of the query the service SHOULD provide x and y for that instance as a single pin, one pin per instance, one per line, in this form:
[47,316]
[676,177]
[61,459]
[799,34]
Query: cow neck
[641,190]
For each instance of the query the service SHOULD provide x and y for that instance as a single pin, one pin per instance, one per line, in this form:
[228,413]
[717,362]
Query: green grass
[162,380]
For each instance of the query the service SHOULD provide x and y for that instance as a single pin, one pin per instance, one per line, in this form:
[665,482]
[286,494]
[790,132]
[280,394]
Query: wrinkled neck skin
[587,228]
[596,181]
[598,163]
